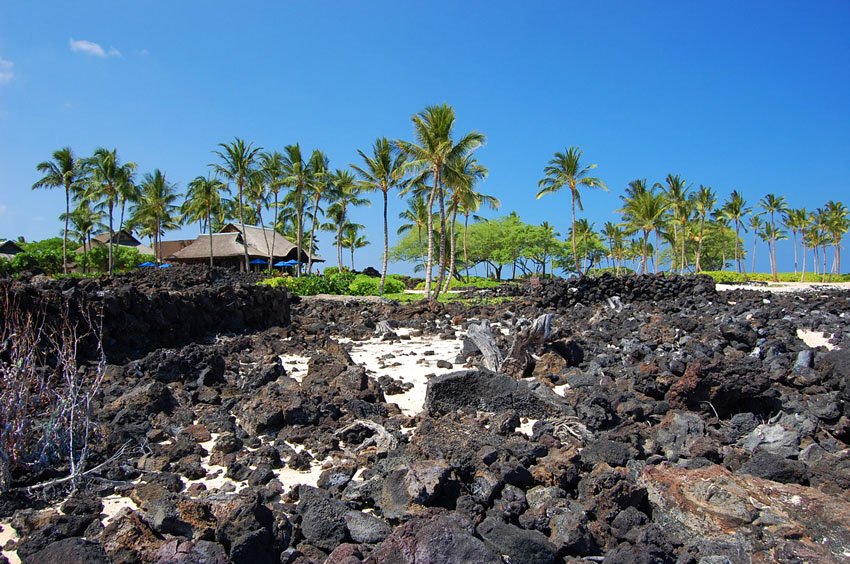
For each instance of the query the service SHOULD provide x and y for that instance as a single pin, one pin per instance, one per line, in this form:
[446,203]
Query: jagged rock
[519,545]
[408,488]
[69,551]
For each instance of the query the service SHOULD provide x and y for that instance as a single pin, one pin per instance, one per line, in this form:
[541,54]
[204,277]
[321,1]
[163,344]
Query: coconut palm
[756,226]
[461,176]
[734,209]
[473,202]
[156,209]
[838,222]
[296,175]
[351,239]
[237,165]
[676,191]
[203,199]
[704,202]
[430,152]
[64,170]
[615,236]
[84,221]
[271,167]
[773,205]
[794,220]
[566,170]
[644,212]
[257,198]
[806,222]
[345,192]
[415,216]
[320,184]
[107,177]
[384,170]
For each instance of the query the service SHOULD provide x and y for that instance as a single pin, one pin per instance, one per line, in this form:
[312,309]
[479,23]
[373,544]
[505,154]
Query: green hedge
[340,283]
[473,282]
[729,277]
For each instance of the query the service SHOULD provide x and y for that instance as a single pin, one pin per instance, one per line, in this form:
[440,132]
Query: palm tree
[271,166]
[472,203]
[794,219]
[383,171]
[107,178]
[704,202]
[64,170]
[644,212]
[838,222]
[615,236]
[461,176]
[296,175]
[345,193]
[237,165]
[757,227]
[676,191]
[416,215]
[566,169]
[84,221]
[351,239]
[156,208]
[128,192]
[203,198]
[806,222]
[734,210]
[431,151]
[773,204]
[320,182]
[258,198]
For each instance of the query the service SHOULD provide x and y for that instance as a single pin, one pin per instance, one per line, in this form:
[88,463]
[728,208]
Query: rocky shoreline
[657,420]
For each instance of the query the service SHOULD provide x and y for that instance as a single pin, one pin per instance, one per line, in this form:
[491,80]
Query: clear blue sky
[750,95]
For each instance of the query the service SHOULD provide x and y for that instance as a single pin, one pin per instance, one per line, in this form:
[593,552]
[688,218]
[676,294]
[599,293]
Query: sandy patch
[815,339]
[780,287]
[112,504]
[410,361]
[526,427]
[8,533]
[295,365]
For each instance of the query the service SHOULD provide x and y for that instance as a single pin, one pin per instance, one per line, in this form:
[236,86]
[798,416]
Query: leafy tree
[756,225]
[384,170]
[644,211]
[461,176]
[432,149]
[703,202]
[84,221]
[837,224]
[566,170]
[345,193]
[416,216]
[615,236]
[676,191]
[237,165]
[351,239]
[157,209]
[773,205]
[296,175]
[64,170]
[734,210]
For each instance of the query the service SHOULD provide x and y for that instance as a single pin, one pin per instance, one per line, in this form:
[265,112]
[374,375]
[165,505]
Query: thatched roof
[228,243]
[8,249]
[120,238]
[167,248]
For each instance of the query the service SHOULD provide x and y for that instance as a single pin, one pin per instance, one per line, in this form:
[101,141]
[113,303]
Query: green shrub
[473,282]
[730,277]
[363,285]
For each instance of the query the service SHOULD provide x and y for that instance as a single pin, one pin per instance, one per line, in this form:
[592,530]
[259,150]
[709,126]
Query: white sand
[815,339]
[787,286]
[295,365]
[409,364]
[526,427]
[7,534]
[112,504]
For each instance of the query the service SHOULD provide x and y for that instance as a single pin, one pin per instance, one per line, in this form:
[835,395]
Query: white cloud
[144,52]
[92,48]
[6,73]
[3,208]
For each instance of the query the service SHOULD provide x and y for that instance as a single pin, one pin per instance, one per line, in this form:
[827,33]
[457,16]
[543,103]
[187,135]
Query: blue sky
[749,95]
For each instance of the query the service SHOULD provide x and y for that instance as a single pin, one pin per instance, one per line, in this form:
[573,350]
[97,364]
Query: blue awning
[287,263]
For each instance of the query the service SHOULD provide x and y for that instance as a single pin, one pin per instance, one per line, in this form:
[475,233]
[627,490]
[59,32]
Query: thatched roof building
[120,238]
[8,249]
[228,250]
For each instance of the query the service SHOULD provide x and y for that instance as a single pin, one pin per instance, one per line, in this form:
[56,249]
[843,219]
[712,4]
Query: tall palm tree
[345,192]
[734,209]
[644,212]
[430,152]
[806,221]
[84,221]
[615,236]
[203,199]
[472,202]
[351,239]
[704,202]
[838,223]
[773,205]
[461,176]
[237,165]
[107,176]
[156,208]
[271,167]
[384,170]
[258,198]
[415,216]
[676,191]
[128,191]
[64,170]
[793,220]
[566,170]
[296,175]
[757,227]
[320,183]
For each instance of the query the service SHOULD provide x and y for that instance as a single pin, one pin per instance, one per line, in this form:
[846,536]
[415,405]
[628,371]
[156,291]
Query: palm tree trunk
[738,253]
[429,266]
[823,271]
[352,256]
[794,231]
[300,235]
[339,238]
[386,247]
[451,252]
[699,245]
[209,220]
[645,262]
[803,274]
[755,241]
[443,239]
[242,225]
[65,234]
[313,232]
[111,236]
[684,240]
[573,237]
[465,241]
[274,234]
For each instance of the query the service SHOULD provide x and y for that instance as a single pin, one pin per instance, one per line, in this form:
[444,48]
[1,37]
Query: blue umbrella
[147,264]
[165,265]
[291,262]
[258,261]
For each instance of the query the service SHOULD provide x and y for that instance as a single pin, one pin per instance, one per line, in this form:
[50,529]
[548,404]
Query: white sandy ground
[409,363]
[815,339]
[6,534]
[787,286]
